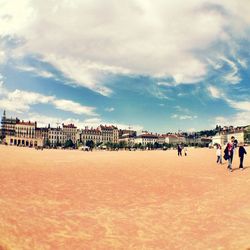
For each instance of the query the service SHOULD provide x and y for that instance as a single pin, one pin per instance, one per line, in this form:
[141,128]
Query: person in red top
[230,152]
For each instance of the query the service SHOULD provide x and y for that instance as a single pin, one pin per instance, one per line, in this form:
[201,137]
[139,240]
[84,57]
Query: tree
[69,144]
[109,145]
[149,145]
[90,144]
[122,144]
[157,145]
[47,143]
[99,144]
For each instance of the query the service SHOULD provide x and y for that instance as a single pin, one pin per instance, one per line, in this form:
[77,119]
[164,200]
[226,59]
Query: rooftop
[29,123]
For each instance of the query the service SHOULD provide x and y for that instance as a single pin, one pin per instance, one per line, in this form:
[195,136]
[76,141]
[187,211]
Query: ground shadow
[235,169]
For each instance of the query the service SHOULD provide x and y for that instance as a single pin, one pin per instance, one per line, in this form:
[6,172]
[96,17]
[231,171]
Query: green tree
[69,144]
[122,144]
[47,143]
[90,144]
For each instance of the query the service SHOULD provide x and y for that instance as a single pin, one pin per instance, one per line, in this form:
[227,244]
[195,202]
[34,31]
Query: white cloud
[111,109]
[242,62]
[167,84]
[74,107]
[181,109]
[232,77]
[2,56]
[240,105]
[239,119]
[216,65]
[88,40]
[36,71]
[235,104]
[214,92]
[21,101]
[184,117]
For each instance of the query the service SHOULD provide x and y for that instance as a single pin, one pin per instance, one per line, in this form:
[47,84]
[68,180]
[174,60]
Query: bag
[225,157]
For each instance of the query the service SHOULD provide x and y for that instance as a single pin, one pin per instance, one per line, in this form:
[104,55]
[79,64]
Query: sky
[149,65]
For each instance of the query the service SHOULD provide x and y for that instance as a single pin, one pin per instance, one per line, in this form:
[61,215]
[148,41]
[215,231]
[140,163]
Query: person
[179,148]
[219,154]
[185,151]
[242,153]
[229,153]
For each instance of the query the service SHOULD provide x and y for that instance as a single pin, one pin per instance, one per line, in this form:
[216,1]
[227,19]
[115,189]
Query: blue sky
[159,66]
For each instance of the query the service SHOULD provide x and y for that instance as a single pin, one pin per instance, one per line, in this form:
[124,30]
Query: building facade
[24,141]
[69,132]
[241,134]
[8,125]
[56,137]
[109,134]
[42,133]
[91,134]
[25,129]
[145,139]
[220,139]
[25,135]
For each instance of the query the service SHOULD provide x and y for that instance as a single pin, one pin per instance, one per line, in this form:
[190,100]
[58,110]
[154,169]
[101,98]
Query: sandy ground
[55,199]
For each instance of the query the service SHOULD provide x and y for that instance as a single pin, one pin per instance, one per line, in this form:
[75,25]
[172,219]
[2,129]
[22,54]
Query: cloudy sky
[160,65]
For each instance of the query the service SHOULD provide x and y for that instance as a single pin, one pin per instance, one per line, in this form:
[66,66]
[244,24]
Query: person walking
[229,153]
[242,153]
[179,148]
[219,154]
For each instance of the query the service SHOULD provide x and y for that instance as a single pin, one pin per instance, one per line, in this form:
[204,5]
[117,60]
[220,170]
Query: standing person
[229,151]
[242,152]
[219,154]
[179,148]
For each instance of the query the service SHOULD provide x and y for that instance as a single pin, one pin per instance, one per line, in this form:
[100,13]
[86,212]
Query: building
[42,133]
[220,139]
[241,134]
[109,134]
[161,139]
[56,137]
[91,134]
[8,125]
[145,139]
[25,135]
[25,129]
[171,139]
[204,141]
[69,132]
[129,132]
[24,141]
[128,139]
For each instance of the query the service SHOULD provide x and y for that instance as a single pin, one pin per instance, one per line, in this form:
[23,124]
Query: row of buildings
[241,134]
[27,133]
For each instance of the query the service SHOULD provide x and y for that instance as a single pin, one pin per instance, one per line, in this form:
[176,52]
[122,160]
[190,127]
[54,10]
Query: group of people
[180,148]
[229,153]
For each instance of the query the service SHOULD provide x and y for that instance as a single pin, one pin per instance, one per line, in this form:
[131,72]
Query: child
[185,151]
[219,154]
[242,152]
